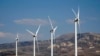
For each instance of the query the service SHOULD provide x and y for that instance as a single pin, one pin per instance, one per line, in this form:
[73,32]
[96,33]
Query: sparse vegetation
[88,45]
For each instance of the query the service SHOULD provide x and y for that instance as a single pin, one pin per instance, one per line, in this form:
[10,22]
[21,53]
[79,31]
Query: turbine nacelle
[53,30]
[76,20]
[17,39]
[34,35]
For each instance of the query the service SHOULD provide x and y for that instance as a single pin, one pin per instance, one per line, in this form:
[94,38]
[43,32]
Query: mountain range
[88,45]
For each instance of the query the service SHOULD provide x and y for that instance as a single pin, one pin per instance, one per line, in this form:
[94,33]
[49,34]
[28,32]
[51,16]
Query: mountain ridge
[88,43]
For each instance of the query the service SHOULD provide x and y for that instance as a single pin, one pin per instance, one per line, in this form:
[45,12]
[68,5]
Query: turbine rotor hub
[76,20]
[17,39]
[34,35]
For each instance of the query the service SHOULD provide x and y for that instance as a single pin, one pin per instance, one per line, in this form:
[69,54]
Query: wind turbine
[52,31]
[34,38]
[17,39]
[77,22]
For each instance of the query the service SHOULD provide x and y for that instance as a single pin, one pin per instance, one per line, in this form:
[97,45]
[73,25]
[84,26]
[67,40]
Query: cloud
[69,21]
[2,34]
[31,21]
[7,37]
[6,34]
[1,25]
[12,35]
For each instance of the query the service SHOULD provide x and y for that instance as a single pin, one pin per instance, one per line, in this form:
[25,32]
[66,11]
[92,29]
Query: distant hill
[88,45]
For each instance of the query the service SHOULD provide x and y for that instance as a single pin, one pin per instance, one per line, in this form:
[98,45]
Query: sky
[18,15]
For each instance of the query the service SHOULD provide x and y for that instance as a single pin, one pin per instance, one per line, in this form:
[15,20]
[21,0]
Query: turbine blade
[37,39]
[78,16]
[54,37]
[30,32]
[55,28]
[54,33]
[37,30]
[37,45]
[74,13]
[50,22]
[79,28]
[17,35]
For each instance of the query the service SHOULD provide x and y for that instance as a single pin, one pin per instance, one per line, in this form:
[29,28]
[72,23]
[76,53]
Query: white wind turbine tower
[77,22]
[17,39]
[52,31]
[34,38]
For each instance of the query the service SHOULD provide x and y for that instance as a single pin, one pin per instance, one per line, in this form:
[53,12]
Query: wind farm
[49,28]
[73,44]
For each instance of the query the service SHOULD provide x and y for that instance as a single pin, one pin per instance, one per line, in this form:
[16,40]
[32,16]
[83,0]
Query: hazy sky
[18,15]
